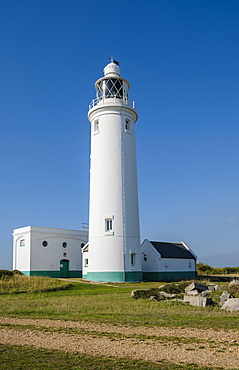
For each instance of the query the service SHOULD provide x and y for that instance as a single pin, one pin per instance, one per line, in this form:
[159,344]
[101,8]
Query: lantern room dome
[112,70]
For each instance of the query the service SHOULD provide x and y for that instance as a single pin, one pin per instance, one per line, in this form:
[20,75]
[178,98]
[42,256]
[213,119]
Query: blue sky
[181,59]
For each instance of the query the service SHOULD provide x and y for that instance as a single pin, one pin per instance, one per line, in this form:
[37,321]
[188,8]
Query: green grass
[34,284]
[28,358]
[111,303]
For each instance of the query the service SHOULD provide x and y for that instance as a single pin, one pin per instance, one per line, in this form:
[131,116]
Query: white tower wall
[114,254]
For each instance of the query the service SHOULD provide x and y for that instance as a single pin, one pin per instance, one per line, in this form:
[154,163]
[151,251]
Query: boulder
[198,300]
[234,282]
[212,286]
[196,286]
[193,292]
[167,295]
[224,297]
[205,293]
[154,298]
[232,304]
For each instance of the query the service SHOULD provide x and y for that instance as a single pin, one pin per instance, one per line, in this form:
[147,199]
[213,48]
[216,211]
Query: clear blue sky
[182,60]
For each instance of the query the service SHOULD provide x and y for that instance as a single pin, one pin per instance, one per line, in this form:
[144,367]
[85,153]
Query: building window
[86,262]
[132,258]
[44,243]
[22,243]
[166,264]
[127,125]
[189,264]
[64,245]
[96,127]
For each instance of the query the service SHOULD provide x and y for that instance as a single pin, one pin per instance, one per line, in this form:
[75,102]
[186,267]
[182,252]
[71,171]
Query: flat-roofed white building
[43,251]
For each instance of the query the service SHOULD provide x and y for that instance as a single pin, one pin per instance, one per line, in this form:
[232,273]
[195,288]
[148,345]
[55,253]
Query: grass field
[28,358]
[77,300]
[111,303]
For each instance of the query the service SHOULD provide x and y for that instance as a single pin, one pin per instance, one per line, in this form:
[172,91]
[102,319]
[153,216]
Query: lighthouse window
[86,262]
[127,125]
[108,224]
[110,88]
[64,245]
[45,243]
[96,127]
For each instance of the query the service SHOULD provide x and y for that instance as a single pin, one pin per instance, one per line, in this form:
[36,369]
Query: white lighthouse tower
[113,252]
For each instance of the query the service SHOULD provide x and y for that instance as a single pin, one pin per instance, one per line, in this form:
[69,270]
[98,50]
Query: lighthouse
[113,252]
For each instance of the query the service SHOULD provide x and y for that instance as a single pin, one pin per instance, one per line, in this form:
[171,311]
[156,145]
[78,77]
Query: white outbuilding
[43,251]
[162,261]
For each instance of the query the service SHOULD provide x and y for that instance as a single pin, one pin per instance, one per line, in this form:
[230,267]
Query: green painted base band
[54,274]
[169,275]
[114,276]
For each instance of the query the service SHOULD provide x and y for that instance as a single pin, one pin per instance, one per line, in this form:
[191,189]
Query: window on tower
[96,127]
[109,224]
[127,125]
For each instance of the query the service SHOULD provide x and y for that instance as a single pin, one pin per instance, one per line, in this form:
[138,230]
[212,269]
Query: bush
[5,273]
[205,269]
[17,272]
[175,288]
[145,293]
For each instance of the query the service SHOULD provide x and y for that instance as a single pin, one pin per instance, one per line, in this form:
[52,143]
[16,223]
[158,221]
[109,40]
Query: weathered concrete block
[193,292]
[224,297]
[198,300]
[234,282]
[196,286]
[167,295]
[205,293]
[232,304]
[212,286]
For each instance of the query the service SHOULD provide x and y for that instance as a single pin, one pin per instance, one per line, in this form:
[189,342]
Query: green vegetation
[6,273]
[28,358]
[204,269]
[109,303]
[16,283]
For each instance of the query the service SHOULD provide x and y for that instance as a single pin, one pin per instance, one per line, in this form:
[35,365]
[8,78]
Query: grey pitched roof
[172,250]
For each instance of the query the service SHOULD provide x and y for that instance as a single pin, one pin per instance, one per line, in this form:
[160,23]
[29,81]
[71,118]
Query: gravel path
[177,345]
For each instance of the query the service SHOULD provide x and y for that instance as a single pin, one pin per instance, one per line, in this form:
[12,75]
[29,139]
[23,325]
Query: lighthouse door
[64,268]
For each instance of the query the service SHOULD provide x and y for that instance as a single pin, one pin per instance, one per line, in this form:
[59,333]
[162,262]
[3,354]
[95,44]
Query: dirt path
[176,345]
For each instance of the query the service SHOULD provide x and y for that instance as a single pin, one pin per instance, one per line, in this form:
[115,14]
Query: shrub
[145,293]
[5,273]
[175,288]
[17,272]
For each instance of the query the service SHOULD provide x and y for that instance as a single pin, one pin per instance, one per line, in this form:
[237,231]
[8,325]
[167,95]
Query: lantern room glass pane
[110,88]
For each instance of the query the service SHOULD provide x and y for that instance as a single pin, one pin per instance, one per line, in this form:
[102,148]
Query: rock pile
[194,294]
